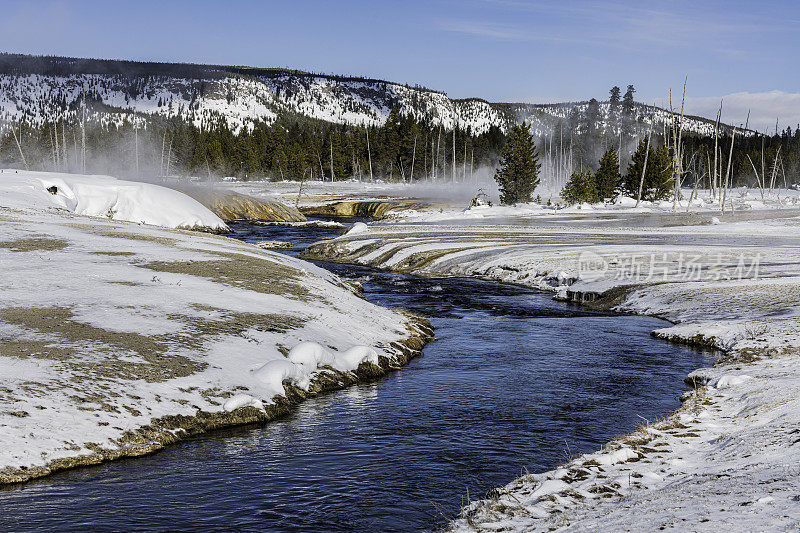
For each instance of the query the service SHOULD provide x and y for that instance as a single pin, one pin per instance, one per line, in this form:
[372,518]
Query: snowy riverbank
[729,456]
[118,338]
[105,197]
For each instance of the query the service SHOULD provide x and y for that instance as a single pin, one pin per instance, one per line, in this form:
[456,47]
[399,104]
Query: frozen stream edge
[727,457]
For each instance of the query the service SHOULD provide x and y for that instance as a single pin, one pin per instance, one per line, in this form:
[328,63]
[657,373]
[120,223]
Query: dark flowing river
[512,381]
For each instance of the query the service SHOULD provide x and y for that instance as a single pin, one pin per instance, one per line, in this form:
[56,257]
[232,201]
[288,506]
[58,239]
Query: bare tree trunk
[54,143]
[64,144]
[57,153]
[679,152]
[465,161]
[716,148]
[163,147]
[332,177]
[321,169]
[300,190]
[369,154]
[783,172]
[438,146]
[136,142]
[758,180]
[453,176]
[425,158]
[763,167]
[19,146]
[472,166]
[774,170]
[169,155]
[83,132]
[646,156]
[75,148]
[413,158]
[728,174]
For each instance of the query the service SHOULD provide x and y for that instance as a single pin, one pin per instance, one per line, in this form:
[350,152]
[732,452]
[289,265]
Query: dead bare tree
[83,131]
[369,155]
[678,166]
[758,180]
[332,177]
[413,158]
[19,146]
[714,187]
[453,176]
[728,174]
[774,171]
[646,156]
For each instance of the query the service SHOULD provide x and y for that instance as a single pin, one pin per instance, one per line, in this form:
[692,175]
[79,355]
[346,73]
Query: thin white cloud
[620,25]
[764,107]
[499,31]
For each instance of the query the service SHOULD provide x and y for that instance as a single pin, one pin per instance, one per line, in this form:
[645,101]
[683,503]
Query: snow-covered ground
[105,197]
[729,457]
[117,338]
[694,202]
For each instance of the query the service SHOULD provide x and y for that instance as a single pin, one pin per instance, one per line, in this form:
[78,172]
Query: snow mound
[242,400]
[728,381]
[357,228]
[105,196]
[275,372]
[311,355]
[303,360]
[352,358]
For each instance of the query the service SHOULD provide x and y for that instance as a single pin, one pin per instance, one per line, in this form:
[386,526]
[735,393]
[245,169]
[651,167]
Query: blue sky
[500,50]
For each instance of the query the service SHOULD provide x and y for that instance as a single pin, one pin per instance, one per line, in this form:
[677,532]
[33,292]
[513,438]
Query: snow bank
[303,361]
[310,355]
[105,196]
[242,400]
[357,228]
[274,373]
[352,358]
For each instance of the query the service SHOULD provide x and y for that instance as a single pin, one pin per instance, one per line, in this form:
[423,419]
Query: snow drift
[105,196]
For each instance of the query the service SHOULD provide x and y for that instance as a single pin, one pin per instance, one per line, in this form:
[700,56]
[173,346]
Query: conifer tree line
[759,161]
[402,149]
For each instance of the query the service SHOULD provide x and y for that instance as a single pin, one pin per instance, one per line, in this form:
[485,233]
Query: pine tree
[614,108]
[661,179]
[627,102]
[657,184]
[580,188]
[628,119]
[634,174]
[518,175]
[614,98]
[592,119]
[607,179]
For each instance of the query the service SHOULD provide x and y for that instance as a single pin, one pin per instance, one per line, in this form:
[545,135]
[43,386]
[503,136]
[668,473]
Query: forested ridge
[412,142]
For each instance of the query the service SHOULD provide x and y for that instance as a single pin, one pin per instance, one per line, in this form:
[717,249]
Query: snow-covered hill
[39,90]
